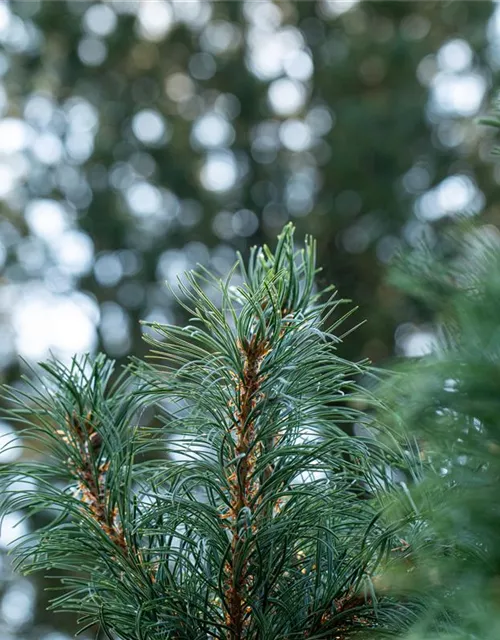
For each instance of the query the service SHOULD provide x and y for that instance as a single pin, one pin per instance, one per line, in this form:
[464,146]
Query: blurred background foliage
[448,404]
[140,137]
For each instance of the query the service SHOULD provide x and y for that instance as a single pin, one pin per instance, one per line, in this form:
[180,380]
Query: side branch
[91,478]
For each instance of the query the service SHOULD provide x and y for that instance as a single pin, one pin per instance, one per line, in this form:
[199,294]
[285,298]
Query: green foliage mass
[448,402]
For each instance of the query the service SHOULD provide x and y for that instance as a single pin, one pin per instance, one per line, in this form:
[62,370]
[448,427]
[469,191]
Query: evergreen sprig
[250,512]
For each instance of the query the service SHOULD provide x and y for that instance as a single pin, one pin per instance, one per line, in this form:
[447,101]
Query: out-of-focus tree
[138,138]
[448,403]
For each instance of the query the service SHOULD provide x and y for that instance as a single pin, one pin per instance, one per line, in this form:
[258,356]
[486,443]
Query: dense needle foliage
[248,510]
[448,402]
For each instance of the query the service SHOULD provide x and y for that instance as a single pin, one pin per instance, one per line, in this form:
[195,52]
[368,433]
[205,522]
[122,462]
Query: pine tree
[245,510]
[448,402]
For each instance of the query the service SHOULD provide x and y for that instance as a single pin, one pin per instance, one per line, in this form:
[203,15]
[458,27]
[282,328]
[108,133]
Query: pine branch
[77,422]
[245,512]
[91,476]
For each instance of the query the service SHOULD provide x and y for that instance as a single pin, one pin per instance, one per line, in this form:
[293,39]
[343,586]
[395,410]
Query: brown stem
[95,496]
[243,486]
[90,482]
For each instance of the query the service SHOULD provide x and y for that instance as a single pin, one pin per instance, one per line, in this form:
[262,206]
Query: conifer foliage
[448,401]
[246,511]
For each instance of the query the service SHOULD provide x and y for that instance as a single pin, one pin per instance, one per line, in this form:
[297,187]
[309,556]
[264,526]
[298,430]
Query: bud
[95,441]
